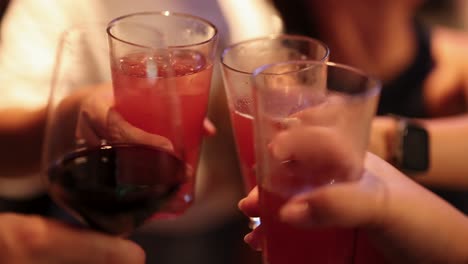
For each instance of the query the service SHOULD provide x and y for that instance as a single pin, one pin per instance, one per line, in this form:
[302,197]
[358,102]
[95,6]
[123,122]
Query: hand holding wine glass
[106,169]
[109,180]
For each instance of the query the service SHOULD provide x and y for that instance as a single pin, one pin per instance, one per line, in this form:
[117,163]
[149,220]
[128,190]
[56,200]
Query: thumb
[346,205]
[119,130]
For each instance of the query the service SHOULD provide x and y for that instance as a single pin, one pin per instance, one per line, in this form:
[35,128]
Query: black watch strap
[411,150]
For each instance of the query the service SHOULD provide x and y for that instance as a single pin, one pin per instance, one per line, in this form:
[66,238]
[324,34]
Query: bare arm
[406,222]
[447,143]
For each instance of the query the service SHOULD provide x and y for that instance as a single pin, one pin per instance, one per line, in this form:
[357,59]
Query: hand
[329,154]
[399,215]
[446,87]
[382,137]
[31,239]
[99,120]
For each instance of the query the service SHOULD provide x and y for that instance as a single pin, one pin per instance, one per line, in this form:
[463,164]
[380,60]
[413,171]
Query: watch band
[411,146]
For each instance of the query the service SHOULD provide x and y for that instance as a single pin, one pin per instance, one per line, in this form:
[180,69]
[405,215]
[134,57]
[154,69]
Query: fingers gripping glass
[312,124]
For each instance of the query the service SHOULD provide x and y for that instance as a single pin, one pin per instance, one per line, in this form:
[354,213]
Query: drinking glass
[160,59]
[238,63]
[293,97]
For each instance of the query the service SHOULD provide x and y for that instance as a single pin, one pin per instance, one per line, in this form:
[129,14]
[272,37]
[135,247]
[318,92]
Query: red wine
[115,188]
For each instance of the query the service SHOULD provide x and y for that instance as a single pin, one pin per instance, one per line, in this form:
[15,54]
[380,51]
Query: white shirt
[31,29]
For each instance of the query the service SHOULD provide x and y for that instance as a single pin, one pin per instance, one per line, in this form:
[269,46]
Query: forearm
[21,136]
[448,141]
[429,232]
[447,147]
[411,224]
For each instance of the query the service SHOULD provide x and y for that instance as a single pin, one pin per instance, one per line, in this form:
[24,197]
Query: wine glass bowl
[86,182]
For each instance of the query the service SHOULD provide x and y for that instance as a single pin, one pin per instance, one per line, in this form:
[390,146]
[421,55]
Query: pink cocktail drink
[243,131]
[287,244]
[143,96]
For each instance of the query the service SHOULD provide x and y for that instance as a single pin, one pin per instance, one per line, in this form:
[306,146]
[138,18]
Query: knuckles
[32,234]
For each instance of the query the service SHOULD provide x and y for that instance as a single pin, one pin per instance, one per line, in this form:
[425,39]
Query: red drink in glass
[243,130]
[142,97]
[288,244]
[238,62]
[310,102]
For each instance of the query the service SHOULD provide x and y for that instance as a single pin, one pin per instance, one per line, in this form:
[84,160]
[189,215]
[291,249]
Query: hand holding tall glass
[323,110]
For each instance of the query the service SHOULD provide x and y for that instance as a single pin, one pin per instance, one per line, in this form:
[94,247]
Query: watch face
[415,148]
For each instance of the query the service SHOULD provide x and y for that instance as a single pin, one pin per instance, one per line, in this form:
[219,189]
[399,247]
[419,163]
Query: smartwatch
[411,150]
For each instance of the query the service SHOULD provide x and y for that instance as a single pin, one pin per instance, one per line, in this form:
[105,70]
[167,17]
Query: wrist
[383,135]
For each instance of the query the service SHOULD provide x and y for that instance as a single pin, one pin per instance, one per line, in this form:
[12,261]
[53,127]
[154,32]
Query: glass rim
[272,37]
[166,13]
[374,89]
